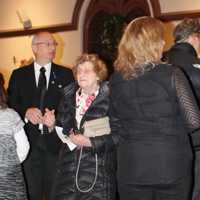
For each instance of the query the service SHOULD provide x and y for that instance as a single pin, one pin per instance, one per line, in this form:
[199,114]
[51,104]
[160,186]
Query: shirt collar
[47,67]
[81,94]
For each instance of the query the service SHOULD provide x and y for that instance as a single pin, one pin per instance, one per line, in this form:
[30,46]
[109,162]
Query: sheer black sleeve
[188,105]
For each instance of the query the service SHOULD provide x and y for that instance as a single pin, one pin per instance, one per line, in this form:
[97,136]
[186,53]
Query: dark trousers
[179,190]
[39,169]
[196,191]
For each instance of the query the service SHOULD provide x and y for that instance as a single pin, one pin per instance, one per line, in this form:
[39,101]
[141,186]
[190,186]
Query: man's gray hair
[186,28]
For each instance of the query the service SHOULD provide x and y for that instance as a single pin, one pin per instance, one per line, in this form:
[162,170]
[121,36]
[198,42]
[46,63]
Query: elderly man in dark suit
[33,90]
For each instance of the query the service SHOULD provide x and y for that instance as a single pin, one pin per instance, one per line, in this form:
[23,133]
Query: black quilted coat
[105,187]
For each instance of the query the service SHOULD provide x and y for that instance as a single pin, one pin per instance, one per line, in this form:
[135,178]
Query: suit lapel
[30,84]
[55,82]
[32,81]
[53,79]
[53,93]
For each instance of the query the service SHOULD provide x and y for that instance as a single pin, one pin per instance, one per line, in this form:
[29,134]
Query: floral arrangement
[112,31]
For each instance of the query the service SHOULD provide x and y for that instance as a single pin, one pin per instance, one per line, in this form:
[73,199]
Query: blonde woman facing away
[153,112]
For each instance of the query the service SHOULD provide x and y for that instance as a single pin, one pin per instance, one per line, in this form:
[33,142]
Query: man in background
[32,90]
[184,53]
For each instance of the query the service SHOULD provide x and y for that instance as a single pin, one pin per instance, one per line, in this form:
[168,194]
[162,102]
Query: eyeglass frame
[48,44]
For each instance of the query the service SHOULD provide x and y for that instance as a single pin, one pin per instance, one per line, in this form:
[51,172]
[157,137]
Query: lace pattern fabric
[186,100]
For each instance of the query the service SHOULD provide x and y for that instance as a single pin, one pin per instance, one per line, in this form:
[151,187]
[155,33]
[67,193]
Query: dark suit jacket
[185,56]
[22,93]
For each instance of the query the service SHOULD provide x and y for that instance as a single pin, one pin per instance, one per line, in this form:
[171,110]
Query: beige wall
[179,5]
[41,12]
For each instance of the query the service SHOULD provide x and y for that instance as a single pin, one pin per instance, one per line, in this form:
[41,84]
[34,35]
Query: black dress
[154,154]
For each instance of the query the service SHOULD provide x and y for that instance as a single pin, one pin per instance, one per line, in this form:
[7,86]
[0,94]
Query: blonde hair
[99,66]
[141,44]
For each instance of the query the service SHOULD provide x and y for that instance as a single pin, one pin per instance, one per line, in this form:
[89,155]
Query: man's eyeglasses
[47,44]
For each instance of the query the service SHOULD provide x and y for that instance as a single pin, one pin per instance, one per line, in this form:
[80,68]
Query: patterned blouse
[83,102]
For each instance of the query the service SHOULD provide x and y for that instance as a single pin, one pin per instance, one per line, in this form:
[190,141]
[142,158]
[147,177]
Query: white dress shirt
[47,72]
[37,74]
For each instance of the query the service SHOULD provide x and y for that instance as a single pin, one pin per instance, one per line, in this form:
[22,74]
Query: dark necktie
[42,87]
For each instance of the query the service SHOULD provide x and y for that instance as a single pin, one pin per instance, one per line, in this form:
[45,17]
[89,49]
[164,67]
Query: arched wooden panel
[104,22]
[155,7]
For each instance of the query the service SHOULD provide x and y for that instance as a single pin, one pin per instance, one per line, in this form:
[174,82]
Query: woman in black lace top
[154,114]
